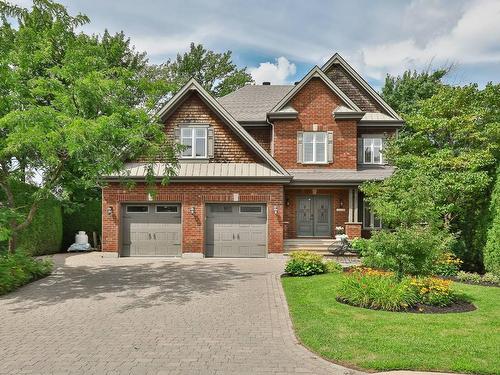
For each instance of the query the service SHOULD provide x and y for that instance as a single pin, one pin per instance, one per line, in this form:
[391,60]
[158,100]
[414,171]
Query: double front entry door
[314,216]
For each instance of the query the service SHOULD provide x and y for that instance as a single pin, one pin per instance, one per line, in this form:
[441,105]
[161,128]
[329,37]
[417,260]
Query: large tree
[73,107]
[446,158]
[214,71]
[403,92]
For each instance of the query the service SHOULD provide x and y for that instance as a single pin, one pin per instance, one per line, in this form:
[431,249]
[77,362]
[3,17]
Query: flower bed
[382,290]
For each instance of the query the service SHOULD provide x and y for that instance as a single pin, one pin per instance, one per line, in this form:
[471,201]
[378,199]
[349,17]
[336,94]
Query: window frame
[137,212]
[314,143]
[372,150]
[371,223]
[193,138]
[261,209]
[167,212]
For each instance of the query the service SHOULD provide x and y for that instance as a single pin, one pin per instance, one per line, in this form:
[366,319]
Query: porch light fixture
[275,209]
[110,211]
[341,203]
[192,210]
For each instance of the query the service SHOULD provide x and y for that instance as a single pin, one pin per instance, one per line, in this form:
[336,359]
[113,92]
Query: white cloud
[277,73]
[472,39]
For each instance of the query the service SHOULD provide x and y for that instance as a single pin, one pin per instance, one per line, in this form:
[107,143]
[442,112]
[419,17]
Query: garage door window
[167,208]
[251,209]
[137,209]
[221,208]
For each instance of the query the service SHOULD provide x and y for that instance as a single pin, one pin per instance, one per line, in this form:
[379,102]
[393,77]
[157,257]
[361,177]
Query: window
[251,209]
[221,208]
[167,208]
[315,145]
[370,220]
[195,141]
[372,148]
[137,209]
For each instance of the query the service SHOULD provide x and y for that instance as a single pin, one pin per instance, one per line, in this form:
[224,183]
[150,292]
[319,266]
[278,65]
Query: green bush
[447,265]
[377,291]
[85,216]
[18,269]
[44,234]
[434,291]
[475,278]
[405,251]
[305,263]
[491,252]
[333,267]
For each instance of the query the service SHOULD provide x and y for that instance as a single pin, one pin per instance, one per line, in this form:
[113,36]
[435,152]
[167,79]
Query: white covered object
[81,238]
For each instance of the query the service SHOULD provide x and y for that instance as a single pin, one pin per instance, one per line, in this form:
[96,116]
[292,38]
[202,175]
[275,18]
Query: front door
[314,216]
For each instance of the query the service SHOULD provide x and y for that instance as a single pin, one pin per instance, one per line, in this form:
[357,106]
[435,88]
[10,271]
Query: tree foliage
[73,107]
[214,71]
[403,92]
[492,247]
[445,159]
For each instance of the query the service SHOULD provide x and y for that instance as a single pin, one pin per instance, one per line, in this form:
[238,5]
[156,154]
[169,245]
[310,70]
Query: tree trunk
[12,242]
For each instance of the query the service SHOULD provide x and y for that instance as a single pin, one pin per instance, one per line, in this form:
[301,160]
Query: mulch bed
[457,307]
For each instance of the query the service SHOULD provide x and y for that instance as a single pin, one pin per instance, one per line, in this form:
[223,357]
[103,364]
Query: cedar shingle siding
[352,89]
[227,146]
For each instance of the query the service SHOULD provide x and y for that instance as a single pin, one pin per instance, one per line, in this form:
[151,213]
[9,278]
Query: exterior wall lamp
[110,211]
[192,210]
[275,209]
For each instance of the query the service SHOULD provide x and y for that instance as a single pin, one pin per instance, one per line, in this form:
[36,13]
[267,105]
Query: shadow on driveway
[140,285]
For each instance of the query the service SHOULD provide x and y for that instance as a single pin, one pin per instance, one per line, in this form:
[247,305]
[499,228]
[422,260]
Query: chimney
[266,83]
[296,83]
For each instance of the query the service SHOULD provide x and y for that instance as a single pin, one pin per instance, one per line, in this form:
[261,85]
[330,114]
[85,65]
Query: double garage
[231,230]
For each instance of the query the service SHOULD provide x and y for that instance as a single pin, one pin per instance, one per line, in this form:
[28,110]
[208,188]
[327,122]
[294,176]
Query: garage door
[236,230]
[151,230]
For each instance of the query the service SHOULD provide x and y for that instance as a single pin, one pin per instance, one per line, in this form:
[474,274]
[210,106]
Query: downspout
[272,136]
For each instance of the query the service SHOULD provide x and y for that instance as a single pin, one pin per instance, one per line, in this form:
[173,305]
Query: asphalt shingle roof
[252,102]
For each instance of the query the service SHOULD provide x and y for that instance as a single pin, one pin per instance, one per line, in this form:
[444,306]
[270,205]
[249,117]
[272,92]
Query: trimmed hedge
[44,234]
[86,217]
[491,252]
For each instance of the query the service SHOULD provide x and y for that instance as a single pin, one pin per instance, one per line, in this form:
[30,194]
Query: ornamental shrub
[333,267]
[19,268]
[406,250]
[434,291]
[305,263]
[447,265]
[475,278]
[377,291]
[491,252]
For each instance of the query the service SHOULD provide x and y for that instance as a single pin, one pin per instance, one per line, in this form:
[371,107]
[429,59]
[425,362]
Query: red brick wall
[339,217]
[375,130]
[227,146]
[262,134]
[315,103]
[193,195]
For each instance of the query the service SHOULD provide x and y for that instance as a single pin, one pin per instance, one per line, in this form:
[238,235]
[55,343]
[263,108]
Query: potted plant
[340,233]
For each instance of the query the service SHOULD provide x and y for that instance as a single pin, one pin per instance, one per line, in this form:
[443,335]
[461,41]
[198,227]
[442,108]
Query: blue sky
[280,41]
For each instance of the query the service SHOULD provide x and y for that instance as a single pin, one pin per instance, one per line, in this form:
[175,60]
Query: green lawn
[379,340]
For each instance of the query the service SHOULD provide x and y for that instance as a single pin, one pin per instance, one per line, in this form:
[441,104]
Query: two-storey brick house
[264,169]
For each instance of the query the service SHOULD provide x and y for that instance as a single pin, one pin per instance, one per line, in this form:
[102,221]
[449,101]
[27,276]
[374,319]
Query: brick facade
[227,146]
[315,104]
[192,195]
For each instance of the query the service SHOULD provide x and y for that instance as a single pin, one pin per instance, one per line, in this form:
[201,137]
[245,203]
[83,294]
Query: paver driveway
[163,316]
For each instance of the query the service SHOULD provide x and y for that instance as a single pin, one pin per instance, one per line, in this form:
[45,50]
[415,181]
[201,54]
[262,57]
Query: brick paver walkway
[164,316]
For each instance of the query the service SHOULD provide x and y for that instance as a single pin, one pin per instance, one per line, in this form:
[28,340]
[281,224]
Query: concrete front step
[310,244]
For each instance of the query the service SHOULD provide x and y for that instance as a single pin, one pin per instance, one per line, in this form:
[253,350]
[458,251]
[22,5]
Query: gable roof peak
[214,105]
[315,72]
[338,59]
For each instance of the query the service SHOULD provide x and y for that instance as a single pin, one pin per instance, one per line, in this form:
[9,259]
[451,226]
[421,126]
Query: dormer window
[194,140]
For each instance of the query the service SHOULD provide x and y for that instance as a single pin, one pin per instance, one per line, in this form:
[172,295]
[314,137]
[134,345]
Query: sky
[280,41]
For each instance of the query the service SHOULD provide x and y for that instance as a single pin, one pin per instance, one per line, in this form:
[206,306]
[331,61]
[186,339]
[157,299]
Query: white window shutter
[300,157]
[360,150]
[330,146]
[210,141]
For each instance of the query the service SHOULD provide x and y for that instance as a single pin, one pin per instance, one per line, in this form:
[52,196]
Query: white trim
[314,143]
[193,141]
[336,58]
[372,147]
